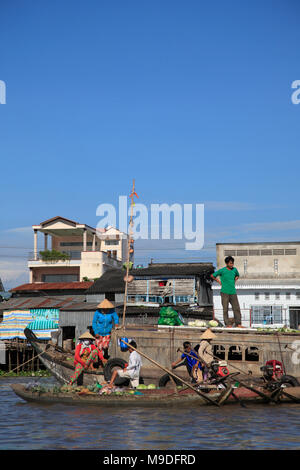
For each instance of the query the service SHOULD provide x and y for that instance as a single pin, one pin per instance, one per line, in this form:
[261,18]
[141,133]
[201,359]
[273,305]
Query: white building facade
[264,303]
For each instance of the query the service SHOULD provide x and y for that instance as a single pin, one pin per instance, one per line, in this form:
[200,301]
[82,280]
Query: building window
[266,252]
[266,314]
[254,252]
[111,242]
[276,266]
[245,266]
[235,353]
[256,295]
[267,295]
[60,277]
[251,354]
[219,351]
[277,295]
[290,251]
[229,252]
[298,295]
[288,295]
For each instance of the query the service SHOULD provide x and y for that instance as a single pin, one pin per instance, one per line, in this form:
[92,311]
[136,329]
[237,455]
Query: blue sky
[192,99]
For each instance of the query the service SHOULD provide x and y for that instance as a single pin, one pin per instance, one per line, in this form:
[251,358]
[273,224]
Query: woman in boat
[86,354]
[104,319]
[205,351]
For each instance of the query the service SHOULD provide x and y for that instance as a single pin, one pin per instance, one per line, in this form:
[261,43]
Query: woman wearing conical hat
[104,319]
[205,350]
[85,354]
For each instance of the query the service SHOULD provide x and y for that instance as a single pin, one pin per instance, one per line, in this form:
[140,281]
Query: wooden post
[23,356]
[17,349]
[32,360]
[9,358]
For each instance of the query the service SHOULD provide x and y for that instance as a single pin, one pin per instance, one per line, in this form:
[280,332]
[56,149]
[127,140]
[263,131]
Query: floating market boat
[61,364]
[156,398]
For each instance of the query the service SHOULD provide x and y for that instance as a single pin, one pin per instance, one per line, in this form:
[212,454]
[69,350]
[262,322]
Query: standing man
[229,275]
[104,319]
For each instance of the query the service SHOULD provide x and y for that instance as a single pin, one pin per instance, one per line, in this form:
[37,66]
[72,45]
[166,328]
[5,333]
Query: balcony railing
[73,255]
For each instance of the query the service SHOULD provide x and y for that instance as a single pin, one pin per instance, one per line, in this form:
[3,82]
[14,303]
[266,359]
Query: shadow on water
[33,426]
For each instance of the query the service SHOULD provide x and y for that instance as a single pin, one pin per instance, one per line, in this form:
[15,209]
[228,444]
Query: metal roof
[25,303]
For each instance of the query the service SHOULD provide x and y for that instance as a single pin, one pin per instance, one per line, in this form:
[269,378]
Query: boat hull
[153,398]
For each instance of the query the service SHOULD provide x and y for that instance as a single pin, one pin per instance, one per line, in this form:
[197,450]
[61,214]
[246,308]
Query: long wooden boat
[61,364]
[152,398]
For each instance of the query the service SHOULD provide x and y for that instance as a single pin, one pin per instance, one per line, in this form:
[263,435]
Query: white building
[77,252]
[269,285]
[264,303]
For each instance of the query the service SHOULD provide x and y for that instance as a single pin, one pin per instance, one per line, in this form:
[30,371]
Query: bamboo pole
[128,253]
[171,374]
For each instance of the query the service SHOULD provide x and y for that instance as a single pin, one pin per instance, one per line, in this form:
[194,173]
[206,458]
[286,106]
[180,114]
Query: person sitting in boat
[192,363]
[86,354]
[205,351]
[132,371]
[104,319]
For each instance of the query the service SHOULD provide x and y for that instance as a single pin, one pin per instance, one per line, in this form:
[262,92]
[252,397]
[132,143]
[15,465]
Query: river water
[33,426]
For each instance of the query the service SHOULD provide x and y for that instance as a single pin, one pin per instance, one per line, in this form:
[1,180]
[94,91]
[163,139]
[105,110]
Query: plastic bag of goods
[169,316]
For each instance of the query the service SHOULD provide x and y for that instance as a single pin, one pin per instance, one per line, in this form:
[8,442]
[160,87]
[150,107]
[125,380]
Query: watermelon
[151,387]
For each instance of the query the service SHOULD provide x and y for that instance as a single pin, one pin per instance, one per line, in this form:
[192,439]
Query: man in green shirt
[229,275]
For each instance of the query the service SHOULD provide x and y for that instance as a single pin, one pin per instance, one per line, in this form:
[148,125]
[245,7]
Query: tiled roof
[38,286]
[174,269]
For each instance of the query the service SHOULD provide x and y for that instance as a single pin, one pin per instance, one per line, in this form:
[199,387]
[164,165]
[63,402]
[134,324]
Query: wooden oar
[171,374]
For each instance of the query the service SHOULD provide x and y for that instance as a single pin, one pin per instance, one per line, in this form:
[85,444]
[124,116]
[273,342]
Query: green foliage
[54,255]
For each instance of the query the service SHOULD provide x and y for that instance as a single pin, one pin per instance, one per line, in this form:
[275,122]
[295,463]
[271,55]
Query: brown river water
[33,426]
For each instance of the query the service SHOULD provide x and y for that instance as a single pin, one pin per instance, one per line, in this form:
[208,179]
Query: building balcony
[75,258]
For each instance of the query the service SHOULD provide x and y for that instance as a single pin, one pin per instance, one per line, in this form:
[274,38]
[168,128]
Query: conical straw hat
[86,335]
[208,334]
[105,304]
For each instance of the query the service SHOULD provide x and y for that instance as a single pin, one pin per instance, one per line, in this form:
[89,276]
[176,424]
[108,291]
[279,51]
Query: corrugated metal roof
[22,303]
[38,286]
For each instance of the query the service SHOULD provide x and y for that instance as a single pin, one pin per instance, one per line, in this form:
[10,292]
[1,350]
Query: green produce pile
[169,316]
[37,373]
[277,330]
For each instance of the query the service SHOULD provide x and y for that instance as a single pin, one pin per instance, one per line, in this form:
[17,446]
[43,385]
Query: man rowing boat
[192,363]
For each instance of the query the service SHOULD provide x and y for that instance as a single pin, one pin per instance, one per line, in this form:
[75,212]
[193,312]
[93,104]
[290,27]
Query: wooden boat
[154,398]
[61,365]
[59,362]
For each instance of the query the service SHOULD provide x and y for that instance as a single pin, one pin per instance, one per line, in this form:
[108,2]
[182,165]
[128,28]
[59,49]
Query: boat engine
[274,377]
[219,368]
[272,370]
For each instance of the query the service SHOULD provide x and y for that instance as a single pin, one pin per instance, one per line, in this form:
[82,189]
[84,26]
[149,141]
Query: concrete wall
[262,265]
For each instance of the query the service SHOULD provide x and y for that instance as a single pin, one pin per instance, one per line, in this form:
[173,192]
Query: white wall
[247,300]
